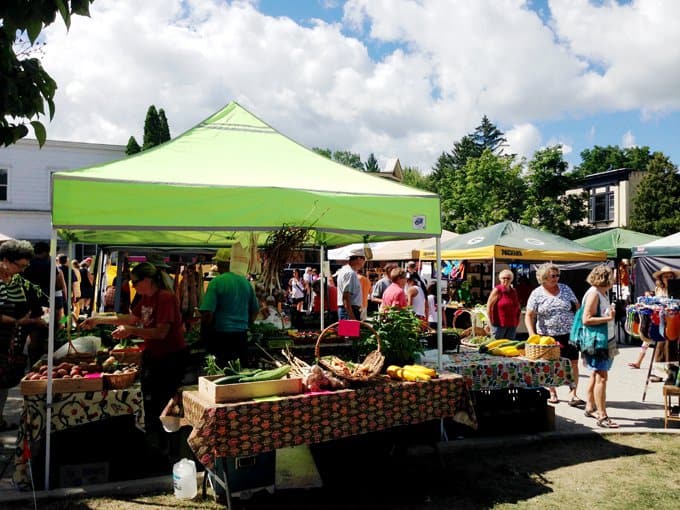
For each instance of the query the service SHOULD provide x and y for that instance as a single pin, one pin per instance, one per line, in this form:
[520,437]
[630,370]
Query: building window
[3,185]
[601,207]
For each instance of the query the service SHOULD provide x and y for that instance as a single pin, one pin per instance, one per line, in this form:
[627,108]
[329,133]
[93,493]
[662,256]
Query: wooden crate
[238,392]
[61,386]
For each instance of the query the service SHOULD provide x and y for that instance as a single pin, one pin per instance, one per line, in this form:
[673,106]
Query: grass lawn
[604,472]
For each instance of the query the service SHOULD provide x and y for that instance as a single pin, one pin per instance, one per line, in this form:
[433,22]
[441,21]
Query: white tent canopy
[392,250]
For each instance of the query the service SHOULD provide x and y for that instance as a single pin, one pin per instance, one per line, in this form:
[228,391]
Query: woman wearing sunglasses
[550,311]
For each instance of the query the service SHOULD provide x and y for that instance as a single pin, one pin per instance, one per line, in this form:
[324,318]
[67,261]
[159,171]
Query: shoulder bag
[591,340]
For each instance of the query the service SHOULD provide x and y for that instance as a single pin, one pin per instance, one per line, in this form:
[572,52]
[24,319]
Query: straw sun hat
[666,269]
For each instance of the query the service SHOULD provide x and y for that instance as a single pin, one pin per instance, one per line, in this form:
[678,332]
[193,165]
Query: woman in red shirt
[155,317]
[503,307]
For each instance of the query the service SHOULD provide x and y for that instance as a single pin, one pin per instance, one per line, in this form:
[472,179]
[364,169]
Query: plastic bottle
[184,479]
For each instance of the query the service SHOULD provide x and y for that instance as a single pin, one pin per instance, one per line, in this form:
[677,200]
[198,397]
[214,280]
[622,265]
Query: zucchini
[267,375]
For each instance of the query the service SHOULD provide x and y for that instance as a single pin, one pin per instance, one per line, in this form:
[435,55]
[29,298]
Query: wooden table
[668,393]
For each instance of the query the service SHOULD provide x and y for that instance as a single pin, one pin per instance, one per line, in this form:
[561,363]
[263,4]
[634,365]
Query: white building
[25,170]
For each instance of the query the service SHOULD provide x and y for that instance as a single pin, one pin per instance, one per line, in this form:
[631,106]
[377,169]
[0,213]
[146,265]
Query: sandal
[554,400]
[590,414]
[633,365]
[576,402]
[655,378]
[607,423]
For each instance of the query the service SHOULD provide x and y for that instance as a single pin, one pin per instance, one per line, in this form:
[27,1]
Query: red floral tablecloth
[70,410]
[248,428]
[487,372]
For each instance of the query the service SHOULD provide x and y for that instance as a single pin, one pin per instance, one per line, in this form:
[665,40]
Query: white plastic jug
[184,479]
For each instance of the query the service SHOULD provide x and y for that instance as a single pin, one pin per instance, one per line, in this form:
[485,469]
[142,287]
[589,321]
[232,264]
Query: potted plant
[399,330]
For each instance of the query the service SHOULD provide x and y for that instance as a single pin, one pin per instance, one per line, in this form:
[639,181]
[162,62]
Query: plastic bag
[82,344]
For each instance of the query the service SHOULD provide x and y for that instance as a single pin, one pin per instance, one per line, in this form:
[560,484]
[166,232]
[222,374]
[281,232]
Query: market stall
[241,429]
[652,256]
[69,410]
[230,174]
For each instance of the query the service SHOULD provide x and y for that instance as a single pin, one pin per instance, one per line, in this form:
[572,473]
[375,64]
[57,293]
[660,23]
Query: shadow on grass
[381,471]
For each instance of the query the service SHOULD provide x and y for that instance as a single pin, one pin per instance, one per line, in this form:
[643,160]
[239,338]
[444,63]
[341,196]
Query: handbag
[591,340]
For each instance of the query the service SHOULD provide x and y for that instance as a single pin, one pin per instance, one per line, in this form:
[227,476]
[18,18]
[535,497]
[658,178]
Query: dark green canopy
[617,242]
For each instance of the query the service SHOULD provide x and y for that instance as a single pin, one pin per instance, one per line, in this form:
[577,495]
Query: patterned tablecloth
[487,372]
[71,410]
[247,428]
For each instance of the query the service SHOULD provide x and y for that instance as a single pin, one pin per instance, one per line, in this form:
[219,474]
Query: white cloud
[523,140]
[455,61]
[628,140]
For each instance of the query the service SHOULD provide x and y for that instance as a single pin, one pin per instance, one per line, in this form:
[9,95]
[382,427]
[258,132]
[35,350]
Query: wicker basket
[362,372]
[74,356]
[547,352]
[132,355]
[119,381]
[474,330]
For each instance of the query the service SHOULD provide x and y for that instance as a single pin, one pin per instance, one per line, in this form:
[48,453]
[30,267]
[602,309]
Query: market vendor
[157,320]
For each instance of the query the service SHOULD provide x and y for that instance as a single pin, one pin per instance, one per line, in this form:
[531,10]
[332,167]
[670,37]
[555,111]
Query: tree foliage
[346,158]
[25,86]
[132,147]
[547,204]
[152,129]
[656,205]
[371,164]
[487,190]
[486,136]
[164,128]
[414,178]
[612,157]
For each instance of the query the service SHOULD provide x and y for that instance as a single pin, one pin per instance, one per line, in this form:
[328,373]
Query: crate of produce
[90,382]
[238,392]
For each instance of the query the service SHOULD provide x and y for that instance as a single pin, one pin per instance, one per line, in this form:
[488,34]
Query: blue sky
[399,78]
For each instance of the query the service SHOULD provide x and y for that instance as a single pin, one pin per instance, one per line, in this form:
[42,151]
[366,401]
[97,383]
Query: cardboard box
[61,385]
[238,392]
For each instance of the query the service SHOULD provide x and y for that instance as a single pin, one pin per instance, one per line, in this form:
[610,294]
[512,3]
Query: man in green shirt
[228,309]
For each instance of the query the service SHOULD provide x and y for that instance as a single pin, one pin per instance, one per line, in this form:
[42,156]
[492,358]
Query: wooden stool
[668,393]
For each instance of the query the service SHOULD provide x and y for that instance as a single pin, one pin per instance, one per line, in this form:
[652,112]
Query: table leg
[649,371]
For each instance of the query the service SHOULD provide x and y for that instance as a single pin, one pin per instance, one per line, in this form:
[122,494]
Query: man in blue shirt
[228,309]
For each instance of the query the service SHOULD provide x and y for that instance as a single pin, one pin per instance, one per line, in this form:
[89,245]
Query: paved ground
[624,398]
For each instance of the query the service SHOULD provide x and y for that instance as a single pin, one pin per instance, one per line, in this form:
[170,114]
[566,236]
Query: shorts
[598,363]
[566,351]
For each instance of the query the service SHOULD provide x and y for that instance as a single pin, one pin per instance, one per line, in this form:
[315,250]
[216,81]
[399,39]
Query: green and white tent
[230,173]
[508,240]
[617,242]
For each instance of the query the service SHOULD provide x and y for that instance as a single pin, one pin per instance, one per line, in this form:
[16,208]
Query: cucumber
[267,375]
[227,379]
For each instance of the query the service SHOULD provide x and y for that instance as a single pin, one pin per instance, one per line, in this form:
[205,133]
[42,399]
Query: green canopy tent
[617,242]
[508,240]
[231,173]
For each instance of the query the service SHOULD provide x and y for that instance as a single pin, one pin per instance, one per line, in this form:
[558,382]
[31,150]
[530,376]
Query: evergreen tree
[132,147]
[488,136]
[152,129]
[165,129]
[656,205]
[371,165]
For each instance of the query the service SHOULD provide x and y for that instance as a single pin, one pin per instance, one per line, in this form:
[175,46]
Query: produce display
[475,341]
[503,347]
[234,373]
[111,365]
[411,373]
[318,379]
[61,371]
[541,340]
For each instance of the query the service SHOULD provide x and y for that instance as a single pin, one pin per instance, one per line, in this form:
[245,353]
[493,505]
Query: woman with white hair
[503,307]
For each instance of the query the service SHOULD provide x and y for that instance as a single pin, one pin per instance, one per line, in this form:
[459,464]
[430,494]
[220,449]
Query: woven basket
[119,381]
[75,356]
[474,330]
[132,355]
[547,352]
[362,372]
